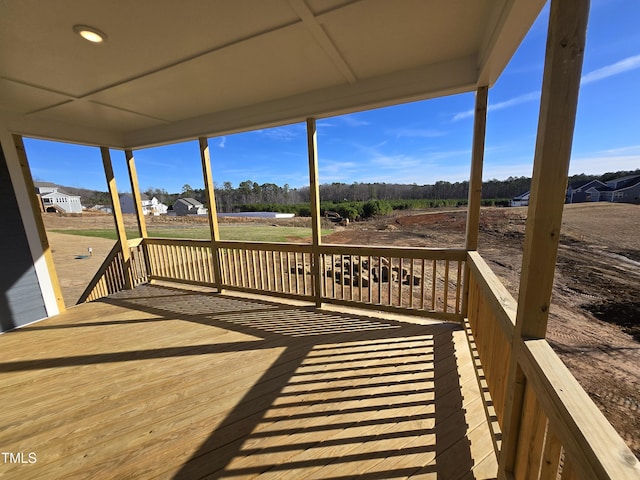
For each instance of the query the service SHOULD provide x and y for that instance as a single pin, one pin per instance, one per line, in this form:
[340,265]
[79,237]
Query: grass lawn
[247,233]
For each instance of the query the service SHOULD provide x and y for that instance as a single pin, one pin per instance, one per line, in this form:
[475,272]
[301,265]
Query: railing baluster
[446,286]
[350,277]
[389,277]
[399,277]
[433,285]
[458,287]
[411,284]
[304,274]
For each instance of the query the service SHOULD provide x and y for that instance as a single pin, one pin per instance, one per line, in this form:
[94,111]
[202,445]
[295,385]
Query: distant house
[189,206]
[149,206]
[55,200]
[584,191]
[521,200]
[623,190]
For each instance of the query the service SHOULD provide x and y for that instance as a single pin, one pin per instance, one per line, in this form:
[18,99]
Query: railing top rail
[581,427]
[176,241]
[404,252]
[502,302]
[269,246]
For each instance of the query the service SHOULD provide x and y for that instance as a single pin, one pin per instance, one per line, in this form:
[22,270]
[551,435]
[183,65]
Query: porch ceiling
[177,70]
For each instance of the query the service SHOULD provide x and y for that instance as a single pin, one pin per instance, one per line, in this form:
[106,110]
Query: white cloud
[416,132]
[625,65]
[351,121]
[520,99]
[602,162]
[222,141]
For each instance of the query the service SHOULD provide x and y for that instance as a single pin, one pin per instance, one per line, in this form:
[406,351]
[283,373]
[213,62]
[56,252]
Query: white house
[521,200]
[149,206]
[55,200]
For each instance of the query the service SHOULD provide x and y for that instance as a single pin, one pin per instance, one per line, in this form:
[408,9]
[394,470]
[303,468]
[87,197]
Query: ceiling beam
[319,34]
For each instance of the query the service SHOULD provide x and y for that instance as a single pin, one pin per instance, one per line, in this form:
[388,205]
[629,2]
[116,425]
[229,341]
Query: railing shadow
[346,396]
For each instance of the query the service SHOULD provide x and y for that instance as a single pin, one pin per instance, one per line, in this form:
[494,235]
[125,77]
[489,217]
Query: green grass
[246,233]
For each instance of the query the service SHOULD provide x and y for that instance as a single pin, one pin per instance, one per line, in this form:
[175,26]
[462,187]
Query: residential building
[189,206]
[150,206]
[55,200]
[622,190]
[521,200]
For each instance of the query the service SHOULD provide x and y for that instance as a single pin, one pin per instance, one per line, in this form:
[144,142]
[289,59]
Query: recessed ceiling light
[91,34]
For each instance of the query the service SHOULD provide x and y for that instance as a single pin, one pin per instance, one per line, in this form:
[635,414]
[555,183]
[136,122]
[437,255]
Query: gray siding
[21,301]
[630,195]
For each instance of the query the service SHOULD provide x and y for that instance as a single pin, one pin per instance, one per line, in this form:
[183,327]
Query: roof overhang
[173,71]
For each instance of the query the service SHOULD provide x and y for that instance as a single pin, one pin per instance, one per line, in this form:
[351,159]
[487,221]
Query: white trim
[29,223]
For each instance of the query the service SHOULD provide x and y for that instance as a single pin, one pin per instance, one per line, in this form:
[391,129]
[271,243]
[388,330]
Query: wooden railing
[182,261]
[281,269]
[424,281]
[561,432]
[111,277]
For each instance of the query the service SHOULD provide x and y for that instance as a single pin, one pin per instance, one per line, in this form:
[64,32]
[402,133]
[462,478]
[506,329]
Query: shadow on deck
[158,382]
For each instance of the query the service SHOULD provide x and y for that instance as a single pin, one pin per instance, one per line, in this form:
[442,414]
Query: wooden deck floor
[169,383]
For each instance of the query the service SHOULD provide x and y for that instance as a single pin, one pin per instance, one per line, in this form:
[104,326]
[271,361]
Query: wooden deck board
[170,383]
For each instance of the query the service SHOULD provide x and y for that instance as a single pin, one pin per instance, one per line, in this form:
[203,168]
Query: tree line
[355,200]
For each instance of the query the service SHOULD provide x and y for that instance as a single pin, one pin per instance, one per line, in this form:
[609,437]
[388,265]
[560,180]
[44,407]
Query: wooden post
[475,184]
[314,193]
[137,200]
[36,207]
[558,104]
[475,178]
[117,215]
[135,192]
[211,212]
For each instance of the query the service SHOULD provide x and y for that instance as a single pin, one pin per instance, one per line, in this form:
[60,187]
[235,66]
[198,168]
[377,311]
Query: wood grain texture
[160,382]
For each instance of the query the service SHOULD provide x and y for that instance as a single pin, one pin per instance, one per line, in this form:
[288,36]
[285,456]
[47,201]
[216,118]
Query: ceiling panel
[393,36]
[273,65]
[171,70]
[90,115]
[21,99]
[38,45]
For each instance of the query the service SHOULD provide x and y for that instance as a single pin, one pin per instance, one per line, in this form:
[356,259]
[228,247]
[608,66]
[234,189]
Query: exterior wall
[185,208]
[21,299]
[627,195]
[126,204]
[580,194]
[68,203]
[181,209]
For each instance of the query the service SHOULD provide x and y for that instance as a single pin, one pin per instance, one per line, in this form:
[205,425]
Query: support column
[137,201]
[117,215]
[314,193]
[475,184]
[558,105]
[135,192]
[475,177]
[36,210]
[211,211]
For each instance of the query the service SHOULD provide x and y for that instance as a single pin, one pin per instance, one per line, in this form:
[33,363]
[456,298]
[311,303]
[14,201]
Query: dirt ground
[594,322]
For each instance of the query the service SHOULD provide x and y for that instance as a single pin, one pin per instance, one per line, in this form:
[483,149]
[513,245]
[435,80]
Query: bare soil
[594,322]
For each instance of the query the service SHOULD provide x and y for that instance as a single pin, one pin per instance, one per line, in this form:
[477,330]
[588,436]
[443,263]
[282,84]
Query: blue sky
[418,143]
